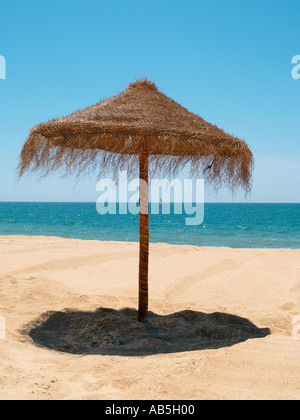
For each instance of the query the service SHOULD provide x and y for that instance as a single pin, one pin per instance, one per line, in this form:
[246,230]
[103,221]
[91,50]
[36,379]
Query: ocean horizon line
[150,202]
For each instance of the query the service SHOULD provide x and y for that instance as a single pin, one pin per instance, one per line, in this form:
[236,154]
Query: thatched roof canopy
[113,132]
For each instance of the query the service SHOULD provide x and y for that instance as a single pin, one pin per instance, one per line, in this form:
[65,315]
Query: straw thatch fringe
[38,155]
[108,136]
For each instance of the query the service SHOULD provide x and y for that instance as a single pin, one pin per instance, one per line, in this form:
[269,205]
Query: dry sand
[220,325]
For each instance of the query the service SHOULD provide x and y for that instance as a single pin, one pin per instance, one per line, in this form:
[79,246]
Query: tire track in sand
[181,285]
[63,264]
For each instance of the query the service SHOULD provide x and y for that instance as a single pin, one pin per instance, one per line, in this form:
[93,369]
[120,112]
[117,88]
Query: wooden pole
[144,235]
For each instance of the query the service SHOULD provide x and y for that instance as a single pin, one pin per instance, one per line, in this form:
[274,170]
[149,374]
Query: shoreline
[137,242]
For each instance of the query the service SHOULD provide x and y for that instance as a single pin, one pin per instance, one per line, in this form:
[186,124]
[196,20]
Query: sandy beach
[220,324]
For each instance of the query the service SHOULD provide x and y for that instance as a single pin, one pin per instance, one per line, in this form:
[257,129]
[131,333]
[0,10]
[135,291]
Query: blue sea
[229,225]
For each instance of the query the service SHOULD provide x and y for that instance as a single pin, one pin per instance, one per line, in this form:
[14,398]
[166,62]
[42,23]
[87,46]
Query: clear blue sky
[228,61]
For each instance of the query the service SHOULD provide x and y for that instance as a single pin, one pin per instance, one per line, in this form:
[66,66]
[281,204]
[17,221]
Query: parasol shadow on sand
[144,132]
[117,333]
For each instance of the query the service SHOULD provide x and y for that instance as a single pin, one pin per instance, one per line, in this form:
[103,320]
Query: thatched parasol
[139,130]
